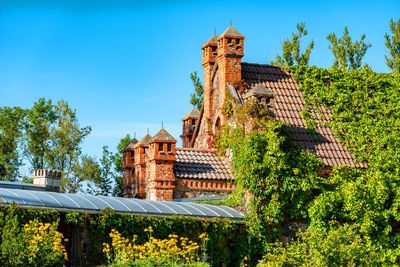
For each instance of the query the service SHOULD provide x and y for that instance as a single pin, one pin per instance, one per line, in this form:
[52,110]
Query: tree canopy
[348,55]
[292,53]
[393,44]
[196,98]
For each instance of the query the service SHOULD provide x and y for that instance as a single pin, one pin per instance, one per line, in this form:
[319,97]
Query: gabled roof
[194,163]
[231,32]
[194,113]
[145,141]
[163,135]
[287,107]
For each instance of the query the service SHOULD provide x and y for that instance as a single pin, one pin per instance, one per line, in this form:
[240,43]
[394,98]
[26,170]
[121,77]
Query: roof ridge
[265,65]
[196,149]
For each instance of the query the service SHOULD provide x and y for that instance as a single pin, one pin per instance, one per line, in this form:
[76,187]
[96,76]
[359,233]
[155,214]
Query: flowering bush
[43,241]
[33,243]
[175,249]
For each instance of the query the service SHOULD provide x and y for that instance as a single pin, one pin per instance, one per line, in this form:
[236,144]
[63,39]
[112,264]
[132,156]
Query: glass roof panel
[83,202]
[29,198]
[48,199]
[162,207]
[132,205]
[97,203]
[114,204]
[10,196]
[178,209]
[65,201]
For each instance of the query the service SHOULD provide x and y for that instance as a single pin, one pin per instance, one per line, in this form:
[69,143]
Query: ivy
[279,180]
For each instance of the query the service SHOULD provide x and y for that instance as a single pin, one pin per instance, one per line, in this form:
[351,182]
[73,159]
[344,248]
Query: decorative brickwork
[222,65]
[160,178]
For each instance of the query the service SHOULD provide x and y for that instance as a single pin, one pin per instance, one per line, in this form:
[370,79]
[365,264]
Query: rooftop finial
[162,125]
[215,31]
[230,22]
[134,135]
[147,130]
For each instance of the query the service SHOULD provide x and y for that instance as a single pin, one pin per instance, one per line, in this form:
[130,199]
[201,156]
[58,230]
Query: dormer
[262,93]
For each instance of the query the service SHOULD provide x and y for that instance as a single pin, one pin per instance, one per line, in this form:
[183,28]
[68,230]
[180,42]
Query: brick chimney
[230,53]
[160,182]
[189,124]
[141,149]
[49,179]
[128,158]
[209,52]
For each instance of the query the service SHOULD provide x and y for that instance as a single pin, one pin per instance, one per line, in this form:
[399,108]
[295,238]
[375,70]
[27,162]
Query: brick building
[155,169]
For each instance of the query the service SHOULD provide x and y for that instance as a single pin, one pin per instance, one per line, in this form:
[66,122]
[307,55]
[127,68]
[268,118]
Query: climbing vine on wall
[282,178]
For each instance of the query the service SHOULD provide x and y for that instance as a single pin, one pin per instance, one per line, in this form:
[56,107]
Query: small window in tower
[229,41]
[133,156]
[193,121]
[214,50]
[169,147]
[160,147]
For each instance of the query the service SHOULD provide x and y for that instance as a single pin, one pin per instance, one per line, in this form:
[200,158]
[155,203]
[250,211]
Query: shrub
[174,249]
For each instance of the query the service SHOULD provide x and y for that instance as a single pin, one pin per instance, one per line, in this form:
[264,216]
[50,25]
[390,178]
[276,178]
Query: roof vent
[49,179]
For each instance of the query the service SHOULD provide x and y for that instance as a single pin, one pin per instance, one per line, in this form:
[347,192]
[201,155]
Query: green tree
[11,124]
[196,98]
[65,142]
[85,169]
[348,55]
[291,48]
[119,176]
[40,119]
[393,44]
[106,174]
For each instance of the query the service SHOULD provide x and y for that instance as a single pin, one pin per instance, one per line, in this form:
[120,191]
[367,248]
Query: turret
[160,178]
[189,124]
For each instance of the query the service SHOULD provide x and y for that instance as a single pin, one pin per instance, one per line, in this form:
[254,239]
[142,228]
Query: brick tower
[209,55]
[229,57]
[141,148]
[160,178]
[128,159]
[189,123]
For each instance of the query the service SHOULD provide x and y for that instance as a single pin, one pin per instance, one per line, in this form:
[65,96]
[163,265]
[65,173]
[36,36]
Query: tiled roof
[212,40]
[145,141]
[231,32]
[131,144]
[194,113]
[288,104]
[163,135]
[194,163]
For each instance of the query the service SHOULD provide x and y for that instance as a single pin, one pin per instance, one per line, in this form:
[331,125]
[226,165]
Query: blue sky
[125,65]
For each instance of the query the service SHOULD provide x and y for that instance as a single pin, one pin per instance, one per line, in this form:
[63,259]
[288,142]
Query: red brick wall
[140,171]
[229,54]
[160,178]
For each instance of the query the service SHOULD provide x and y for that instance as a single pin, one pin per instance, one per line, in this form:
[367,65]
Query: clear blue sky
[125,65]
